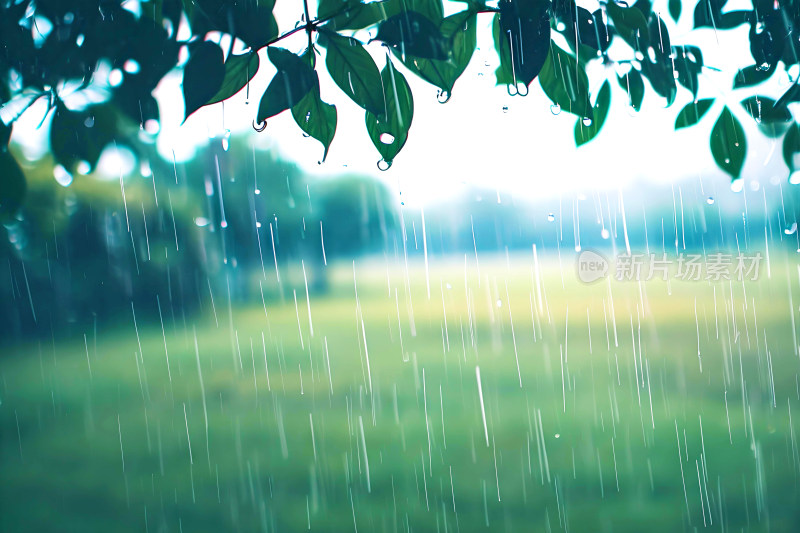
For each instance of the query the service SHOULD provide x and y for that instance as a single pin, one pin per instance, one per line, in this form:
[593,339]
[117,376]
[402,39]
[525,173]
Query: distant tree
[54,48]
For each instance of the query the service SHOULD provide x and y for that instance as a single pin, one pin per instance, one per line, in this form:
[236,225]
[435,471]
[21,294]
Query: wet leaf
[459,29]
[674,9]
[371,13]
[293,81]
[631,25]
[634,85]
[413,34]
[764,111]
[239,70]
[752,75]
[390,130]
[252,21]
[316,118]
[768,38]
[688,63]
[522,36]
[584,133]
[330,8]
[692,113]
[12,185]
[728,143]
[564,81]
[202,76]
[81,136]
[354,71]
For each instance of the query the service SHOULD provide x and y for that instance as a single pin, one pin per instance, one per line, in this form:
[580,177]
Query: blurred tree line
[234,224]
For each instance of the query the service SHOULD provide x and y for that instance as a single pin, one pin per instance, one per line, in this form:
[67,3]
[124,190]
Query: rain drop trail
[364,447]
[322,242]
[202,394]
[313,442]
[274,255]
[121,451]
[683,478]
[483,408]
[297,315]
[308,300]
[89,364]
[163,335]
[425,253]
[513,336]
[188,440]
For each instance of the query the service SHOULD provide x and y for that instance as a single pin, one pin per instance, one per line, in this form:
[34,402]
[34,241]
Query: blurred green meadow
[501,396]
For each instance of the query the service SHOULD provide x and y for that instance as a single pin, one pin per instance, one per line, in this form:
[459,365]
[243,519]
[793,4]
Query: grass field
[504,401]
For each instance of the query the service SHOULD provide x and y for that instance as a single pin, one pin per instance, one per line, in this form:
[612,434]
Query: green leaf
[674,9]
[763,110]
[369,14]
[728,143]
[389,132]
[522,35]
[239,70]
[634,85]
[692,113]
[688,63]
[584,133]
[411,33]
[293,81]
[752,75]
[459,29]
[354,71]
[330,8]
[630,24]
[251,21]
[12,185]
[791,146]
[202,76]
[657,65]
[81,136]
[564,81]
[316,118]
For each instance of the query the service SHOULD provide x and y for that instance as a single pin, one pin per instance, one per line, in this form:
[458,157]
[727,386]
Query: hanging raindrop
[555,109]
[259,127]
[226,140]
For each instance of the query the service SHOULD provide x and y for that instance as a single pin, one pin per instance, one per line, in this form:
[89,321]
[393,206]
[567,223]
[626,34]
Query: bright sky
[483,137]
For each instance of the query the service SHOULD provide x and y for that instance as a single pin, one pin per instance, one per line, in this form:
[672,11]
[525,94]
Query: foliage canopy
[51,48]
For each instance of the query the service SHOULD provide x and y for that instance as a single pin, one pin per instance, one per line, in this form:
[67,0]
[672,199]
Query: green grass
[587,445]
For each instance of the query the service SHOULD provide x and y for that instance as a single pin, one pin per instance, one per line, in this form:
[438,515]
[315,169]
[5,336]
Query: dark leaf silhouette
[202,76]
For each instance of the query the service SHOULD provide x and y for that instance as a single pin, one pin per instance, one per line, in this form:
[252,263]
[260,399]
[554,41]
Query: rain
[208,331]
